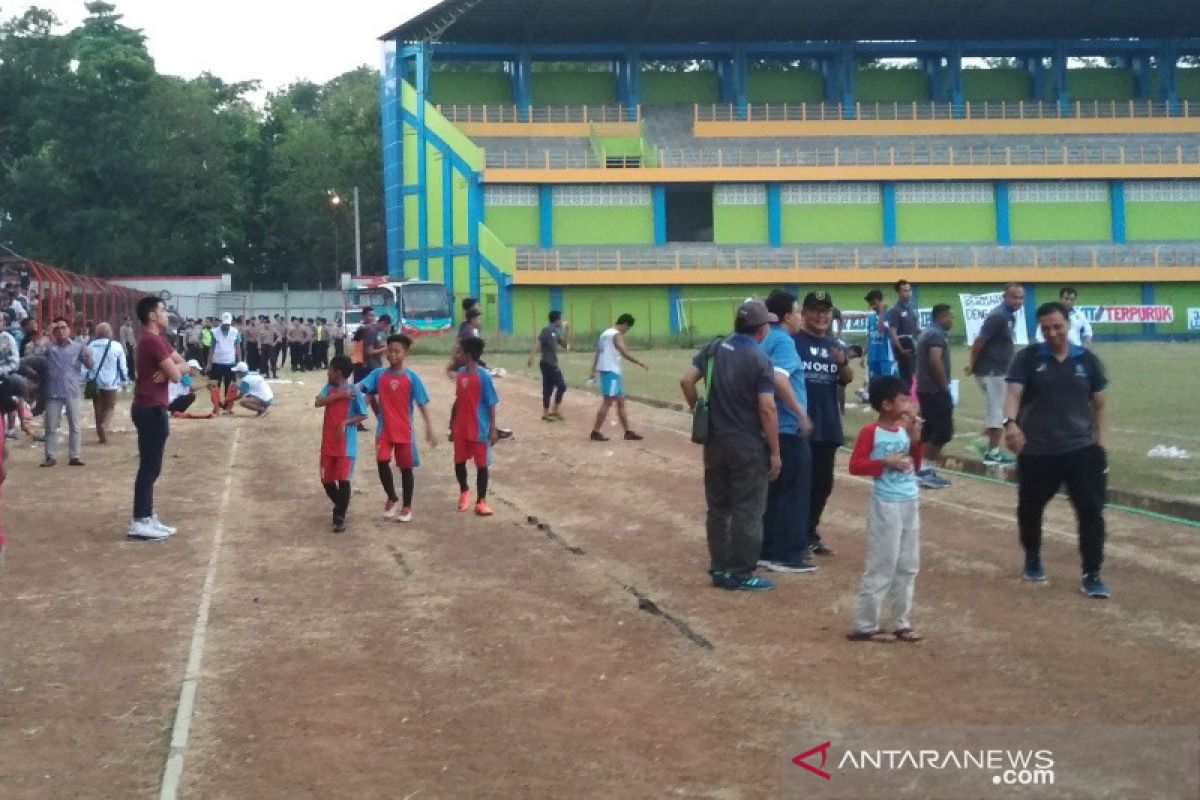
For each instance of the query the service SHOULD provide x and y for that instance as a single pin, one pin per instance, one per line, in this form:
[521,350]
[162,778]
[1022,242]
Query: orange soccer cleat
[464,501]
[482,510]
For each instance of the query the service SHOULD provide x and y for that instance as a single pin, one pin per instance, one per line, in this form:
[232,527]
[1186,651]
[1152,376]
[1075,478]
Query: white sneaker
[144,529]
[391,508]
[162,526]
[405,514]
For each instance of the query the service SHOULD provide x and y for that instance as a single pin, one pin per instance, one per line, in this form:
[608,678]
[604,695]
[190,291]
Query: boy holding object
[889,450]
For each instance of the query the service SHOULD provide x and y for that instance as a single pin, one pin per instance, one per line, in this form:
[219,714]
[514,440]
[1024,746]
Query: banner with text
[1127,315]
[976,307]
[856,321]
[1193,319]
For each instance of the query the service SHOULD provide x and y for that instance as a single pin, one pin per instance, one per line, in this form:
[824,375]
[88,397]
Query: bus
[417,308]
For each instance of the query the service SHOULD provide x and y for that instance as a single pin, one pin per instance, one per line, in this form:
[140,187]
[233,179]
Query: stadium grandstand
[667,158]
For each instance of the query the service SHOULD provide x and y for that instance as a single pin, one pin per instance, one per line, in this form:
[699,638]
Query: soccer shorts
[610,384]
[336,468]
[405,453]
[479,452]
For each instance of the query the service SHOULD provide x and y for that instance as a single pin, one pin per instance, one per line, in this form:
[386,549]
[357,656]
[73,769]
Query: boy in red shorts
[397,390]
[344,410]
[474,428]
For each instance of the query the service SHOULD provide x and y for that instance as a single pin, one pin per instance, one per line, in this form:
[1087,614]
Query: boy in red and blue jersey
[397,390]
[474,427]
[344,410]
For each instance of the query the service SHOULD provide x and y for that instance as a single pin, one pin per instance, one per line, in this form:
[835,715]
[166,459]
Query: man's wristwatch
[1007,421]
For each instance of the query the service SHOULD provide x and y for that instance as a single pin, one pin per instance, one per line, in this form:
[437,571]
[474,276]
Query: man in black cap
[741,449]
[825,369]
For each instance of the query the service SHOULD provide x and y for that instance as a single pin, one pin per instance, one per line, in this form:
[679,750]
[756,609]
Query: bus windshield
[425,300]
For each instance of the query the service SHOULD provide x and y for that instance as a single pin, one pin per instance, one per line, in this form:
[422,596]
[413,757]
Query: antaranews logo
[1009,767]
[823,749]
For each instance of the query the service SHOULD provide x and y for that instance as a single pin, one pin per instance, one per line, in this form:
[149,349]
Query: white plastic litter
[1168,451]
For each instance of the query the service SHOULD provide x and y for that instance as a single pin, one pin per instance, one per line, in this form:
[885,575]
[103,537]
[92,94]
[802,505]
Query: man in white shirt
[226,352]
[182,393]
[610,349]
[253,390]
[110,373]
[1079,330]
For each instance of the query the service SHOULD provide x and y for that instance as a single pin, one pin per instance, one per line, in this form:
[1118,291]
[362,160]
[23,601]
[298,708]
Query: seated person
[253,390]
[181,394]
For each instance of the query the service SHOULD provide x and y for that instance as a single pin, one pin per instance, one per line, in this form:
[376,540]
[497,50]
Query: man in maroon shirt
[157,365]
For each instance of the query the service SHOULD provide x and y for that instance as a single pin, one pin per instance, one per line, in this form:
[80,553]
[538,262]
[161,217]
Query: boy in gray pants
[889,450]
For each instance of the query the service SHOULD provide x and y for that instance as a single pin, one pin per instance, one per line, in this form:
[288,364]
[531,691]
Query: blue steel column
[659,195]
[1058,64]
[629,83]
[447,223]
[1167,87]
[1116,194]
[393,159]
[673,297]
[1031,305]
[846,79]
[1141,76]
[1003,225]
[1037,77]
[556,298]
[545,215]
[774,215]
[524,84]
[1148,330]
[933,72]
[889,213]
[421,67]
[474,218]
[741,83]
[954,67]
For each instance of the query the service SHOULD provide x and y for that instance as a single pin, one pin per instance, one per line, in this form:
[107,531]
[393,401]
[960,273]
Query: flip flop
[907,635]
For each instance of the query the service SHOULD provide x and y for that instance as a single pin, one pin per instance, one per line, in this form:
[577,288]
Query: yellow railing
[1019,110]
[930,257]
[466,113]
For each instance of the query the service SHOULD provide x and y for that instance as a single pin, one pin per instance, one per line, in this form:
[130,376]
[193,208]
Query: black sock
[331,489]
[481,476]
[408,482]
[344,491]
[388,481]
[460,472]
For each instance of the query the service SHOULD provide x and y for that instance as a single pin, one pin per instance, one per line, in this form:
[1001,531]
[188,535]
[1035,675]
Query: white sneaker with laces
[145,530]
[158,523]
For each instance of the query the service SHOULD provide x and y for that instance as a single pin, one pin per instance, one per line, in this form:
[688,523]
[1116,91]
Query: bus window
[426,300]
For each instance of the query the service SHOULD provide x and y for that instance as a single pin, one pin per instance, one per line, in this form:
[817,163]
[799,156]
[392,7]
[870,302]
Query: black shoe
[339,524]
[75,462]
[819,549]
[504,433]
[597,436]
[630,436]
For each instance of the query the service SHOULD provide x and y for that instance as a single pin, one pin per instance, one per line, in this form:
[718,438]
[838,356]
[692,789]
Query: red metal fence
[55,292]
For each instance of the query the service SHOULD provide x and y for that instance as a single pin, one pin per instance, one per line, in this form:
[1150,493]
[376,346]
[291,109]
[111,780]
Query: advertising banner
[976,307]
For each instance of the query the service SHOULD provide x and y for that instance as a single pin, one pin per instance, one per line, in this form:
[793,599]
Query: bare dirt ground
[463,657]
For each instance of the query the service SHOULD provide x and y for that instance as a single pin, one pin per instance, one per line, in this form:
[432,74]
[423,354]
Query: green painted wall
[889,85]
[1060,222]
[709,310]
[591,309]
[739,224]
[679,87]
[828,224]
[603,225]
[1166,221]
[573,88]
[996,84]
[515,225]
[793,86]
[1098,83]
[946,222]
[1182,296]
[1188,83]
[531,305]
[471,88]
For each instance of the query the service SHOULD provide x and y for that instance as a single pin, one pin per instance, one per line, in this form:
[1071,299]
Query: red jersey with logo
[474,394]
[398,393]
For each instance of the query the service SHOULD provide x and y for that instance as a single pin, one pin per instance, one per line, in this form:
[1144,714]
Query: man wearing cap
[226,352]
[825,369]
[253,391]
[182,393]
[741,450]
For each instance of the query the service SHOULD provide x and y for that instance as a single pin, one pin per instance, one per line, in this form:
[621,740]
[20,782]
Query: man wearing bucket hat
[225,354]
[741,446]
[253,391]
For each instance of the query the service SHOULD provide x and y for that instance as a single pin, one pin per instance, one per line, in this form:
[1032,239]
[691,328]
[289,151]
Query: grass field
[1152,401]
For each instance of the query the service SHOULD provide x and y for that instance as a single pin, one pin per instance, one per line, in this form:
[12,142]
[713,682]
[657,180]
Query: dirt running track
[460,657]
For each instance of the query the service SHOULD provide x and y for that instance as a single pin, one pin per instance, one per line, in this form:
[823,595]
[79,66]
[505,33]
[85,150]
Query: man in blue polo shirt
[785,524]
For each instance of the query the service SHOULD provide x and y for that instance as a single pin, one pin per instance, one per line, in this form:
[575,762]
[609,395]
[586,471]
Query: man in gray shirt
[65,357]
[933,393]
[741,453]
[904,322]
[553,384]
[991,354]
[1055,422]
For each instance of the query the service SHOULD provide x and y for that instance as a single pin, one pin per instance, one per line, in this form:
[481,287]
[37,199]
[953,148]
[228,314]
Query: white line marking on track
[173,771]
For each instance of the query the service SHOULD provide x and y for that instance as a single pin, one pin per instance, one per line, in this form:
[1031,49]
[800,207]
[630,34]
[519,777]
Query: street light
[335,200]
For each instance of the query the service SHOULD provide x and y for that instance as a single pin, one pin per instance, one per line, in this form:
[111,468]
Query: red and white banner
[1128,315]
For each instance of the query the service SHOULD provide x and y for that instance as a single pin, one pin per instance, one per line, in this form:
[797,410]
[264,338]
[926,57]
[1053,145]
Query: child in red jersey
[474,428]
[344,410]
[397,390]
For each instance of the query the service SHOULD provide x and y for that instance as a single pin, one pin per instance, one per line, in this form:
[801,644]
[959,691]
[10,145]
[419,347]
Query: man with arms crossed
[1055,422]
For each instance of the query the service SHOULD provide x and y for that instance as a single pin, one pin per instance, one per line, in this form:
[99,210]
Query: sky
[274,41]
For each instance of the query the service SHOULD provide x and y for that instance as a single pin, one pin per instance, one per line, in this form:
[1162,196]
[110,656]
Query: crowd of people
[769,417]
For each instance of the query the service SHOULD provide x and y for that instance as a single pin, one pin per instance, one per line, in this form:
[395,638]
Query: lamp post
[336,200]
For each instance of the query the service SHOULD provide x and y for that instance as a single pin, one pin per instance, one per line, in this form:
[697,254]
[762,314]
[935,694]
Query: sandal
[867,636]
[907,635]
